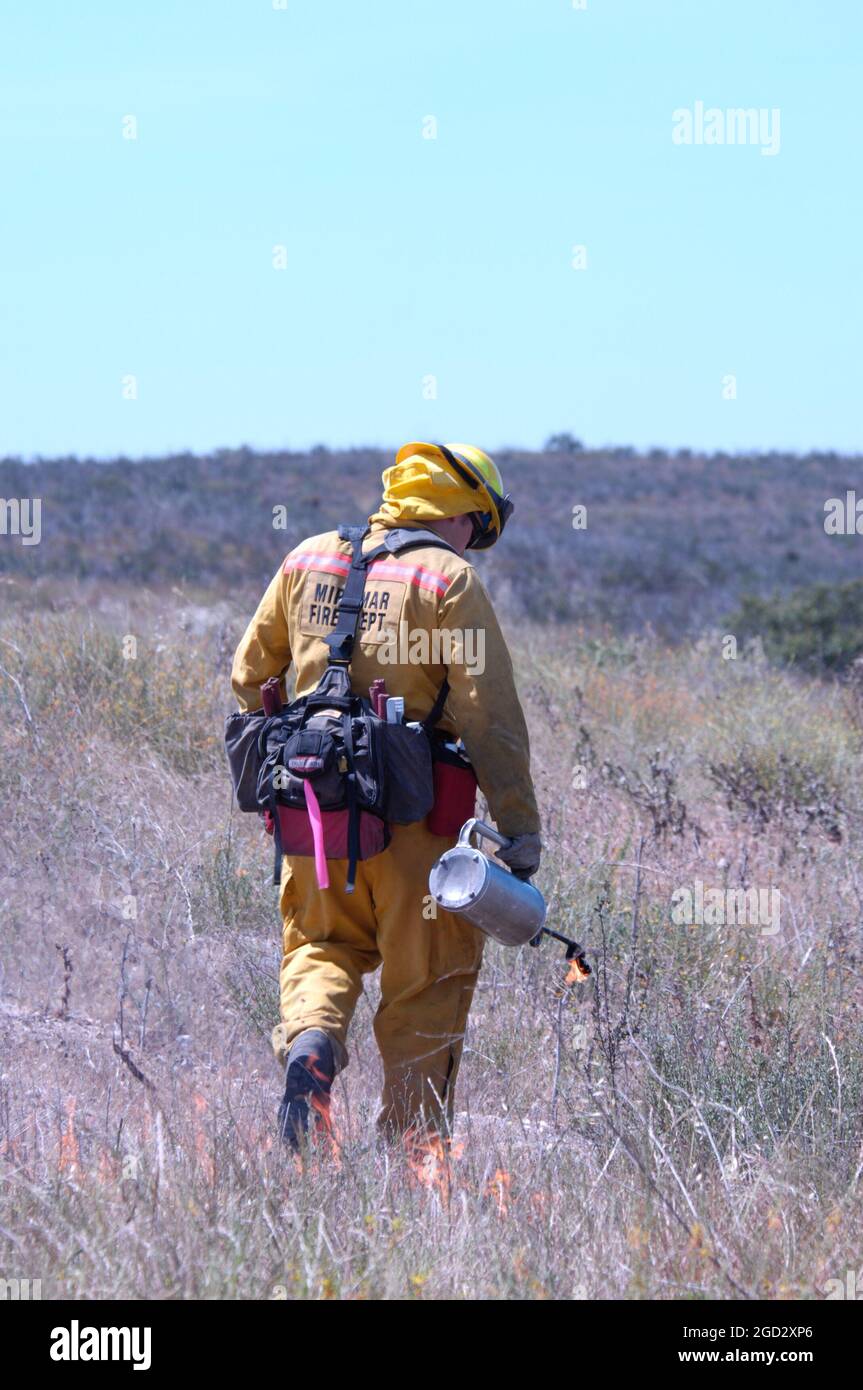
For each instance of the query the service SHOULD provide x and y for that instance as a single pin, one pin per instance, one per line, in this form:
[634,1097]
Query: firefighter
[332,938]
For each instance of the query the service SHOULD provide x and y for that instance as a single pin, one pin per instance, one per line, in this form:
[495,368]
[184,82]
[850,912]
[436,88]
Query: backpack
[331,771]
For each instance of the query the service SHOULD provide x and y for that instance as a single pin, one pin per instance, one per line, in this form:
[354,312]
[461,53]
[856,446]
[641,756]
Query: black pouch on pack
[409,772]
[309,744]
[242,737]
[311,752]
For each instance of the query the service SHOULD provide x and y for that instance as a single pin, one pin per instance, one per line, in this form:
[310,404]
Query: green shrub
[818,628]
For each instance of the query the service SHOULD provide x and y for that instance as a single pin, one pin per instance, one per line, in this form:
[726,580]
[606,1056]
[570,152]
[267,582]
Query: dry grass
[686,1125]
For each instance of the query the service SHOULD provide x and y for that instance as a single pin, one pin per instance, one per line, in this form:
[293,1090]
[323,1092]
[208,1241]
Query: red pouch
[295,830]
[455,788]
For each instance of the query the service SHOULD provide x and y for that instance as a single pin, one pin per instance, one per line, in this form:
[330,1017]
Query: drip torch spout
[574,951]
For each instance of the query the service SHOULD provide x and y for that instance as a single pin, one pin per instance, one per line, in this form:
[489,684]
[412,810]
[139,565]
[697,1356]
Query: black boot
[310,1072]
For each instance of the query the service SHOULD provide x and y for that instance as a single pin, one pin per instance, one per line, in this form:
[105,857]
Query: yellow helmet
[470,465]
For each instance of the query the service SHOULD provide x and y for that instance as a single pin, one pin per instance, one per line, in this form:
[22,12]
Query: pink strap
[317,824]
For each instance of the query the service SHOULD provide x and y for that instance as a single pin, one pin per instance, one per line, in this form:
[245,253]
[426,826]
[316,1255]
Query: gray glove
[522,855]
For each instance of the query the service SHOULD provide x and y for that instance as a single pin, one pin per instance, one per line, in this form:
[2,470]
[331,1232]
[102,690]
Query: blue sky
[410,258]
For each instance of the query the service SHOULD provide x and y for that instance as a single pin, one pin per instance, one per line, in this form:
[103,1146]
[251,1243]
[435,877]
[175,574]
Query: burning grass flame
[430,1157]
[69,1158]
[203,1153]
[498,1188]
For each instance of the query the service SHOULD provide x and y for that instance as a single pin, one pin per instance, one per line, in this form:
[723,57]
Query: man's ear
[466,530]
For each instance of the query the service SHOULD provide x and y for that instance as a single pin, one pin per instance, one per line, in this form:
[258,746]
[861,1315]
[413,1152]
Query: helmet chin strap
[478,530]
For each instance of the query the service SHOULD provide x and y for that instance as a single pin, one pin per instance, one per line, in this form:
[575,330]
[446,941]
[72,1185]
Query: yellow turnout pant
[430,964]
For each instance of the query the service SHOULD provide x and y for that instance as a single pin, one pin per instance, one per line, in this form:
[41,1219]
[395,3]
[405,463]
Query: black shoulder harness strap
[341,642]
